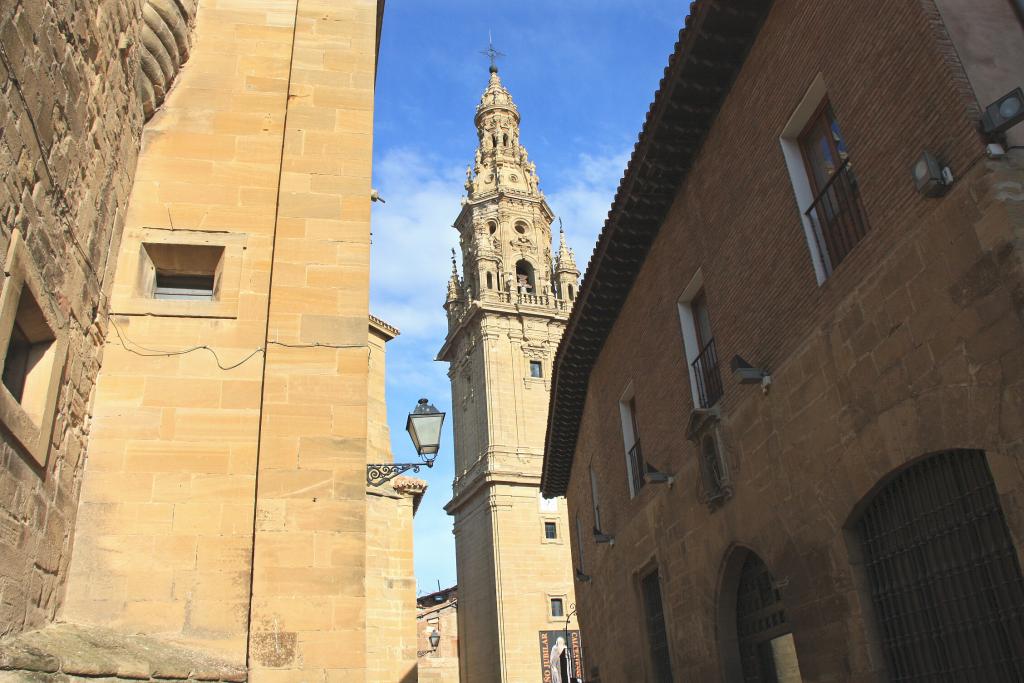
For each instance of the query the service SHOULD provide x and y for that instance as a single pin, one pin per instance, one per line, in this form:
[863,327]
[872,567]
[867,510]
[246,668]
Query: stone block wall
[70,124]
[439,665]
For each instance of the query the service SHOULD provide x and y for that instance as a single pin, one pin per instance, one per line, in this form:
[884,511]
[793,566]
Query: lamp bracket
[380,473]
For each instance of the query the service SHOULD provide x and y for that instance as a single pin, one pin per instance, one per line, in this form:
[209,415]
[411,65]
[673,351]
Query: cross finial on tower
[492,53]
[455,271]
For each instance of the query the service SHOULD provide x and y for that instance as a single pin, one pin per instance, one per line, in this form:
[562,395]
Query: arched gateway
[943,573]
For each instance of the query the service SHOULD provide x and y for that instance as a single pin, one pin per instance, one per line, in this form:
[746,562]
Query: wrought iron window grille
[838,217]
[637,467]
[709,379]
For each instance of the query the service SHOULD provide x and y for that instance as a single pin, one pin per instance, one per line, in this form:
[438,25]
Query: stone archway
[942,572]
[755,639]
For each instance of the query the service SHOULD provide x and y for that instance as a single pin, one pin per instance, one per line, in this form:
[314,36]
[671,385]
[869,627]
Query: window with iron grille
[945,582]
[657,636]
[836,212]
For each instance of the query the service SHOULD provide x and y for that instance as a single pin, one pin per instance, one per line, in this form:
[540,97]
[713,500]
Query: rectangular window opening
[29,358]
[557,608]
[182,272]
[536,369]
[550,530]
[825,186]
[631,441]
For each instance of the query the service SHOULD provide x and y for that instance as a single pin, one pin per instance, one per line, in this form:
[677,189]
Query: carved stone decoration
[715,486]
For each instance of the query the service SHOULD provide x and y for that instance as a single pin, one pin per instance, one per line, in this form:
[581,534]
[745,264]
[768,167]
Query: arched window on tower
[490,281]
[504,140]
[524,277]
[572,294]
[494,139]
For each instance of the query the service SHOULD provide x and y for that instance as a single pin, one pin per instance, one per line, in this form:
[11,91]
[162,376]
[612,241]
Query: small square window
[557,609]
[182,272]
[536,369]
[179,273]
[550,530]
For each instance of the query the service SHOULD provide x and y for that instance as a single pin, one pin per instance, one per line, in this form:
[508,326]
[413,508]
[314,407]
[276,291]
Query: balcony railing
[636,467]
[709,380]
[838,217]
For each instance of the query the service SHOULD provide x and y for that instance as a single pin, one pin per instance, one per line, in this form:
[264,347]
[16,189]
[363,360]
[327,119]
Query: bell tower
[506,315]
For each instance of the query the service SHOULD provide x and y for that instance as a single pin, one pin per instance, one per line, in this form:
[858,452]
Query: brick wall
[911,346]
[70,124]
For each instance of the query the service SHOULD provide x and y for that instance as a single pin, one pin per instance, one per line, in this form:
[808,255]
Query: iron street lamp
[435,640]
[424,427]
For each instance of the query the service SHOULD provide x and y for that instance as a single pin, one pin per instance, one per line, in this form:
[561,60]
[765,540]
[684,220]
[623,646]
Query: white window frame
[629,438]
[688,326]
[789,140]
[594,502]
[565,606]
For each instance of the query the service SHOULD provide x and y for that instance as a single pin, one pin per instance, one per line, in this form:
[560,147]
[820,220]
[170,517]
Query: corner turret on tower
[567,275]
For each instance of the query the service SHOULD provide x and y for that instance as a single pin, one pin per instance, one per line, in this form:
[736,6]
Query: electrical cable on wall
[140,350]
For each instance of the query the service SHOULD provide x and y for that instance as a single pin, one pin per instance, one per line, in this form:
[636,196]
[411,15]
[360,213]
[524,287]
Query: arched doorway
[755,638]
[945,582]
[765,639]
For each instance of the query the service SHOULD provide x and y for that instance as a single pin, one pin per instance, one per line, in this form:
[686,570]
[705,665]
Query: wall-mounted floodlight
[601,537]
[581,577]
[1004,113]
[653,476]
[744,373]
[930,176]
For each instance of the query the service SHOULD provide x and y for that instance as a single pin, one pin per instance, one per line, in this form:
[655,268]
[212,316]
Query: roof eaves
[711,49]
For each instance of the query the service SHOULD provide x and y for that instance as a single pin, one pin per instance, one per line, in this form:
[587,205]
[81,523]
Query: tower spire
[492,53]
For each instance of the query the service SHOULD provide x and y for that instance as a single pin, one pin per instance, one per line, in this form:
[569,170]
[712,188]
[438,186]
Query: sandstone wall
[70,123]
[164,542]
[440,665]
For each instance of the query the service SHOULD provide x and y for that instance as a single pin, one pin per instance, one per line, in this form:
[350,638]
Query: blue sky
[583,73]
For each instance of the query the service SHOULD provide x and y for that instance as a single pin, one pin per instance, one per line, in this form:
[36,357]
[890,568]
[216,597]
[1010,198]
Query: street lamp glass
[435,639]
[424,427]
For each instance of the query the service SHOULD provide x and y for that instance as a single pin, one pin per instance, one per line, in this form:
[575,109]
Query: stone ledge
[69,652]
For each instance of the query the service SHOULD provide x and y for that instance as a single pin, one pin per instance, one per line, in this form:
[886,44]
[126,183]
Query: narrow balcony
[838,217]
[709,380]
[636,467]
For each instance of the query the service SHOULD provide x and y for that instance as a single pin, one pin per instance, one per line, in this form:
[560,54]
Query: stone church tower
[505,319]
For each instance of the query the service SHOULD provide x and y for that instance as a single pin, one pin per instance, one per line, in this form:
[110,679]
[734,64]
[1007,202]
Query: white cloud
[583,203]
